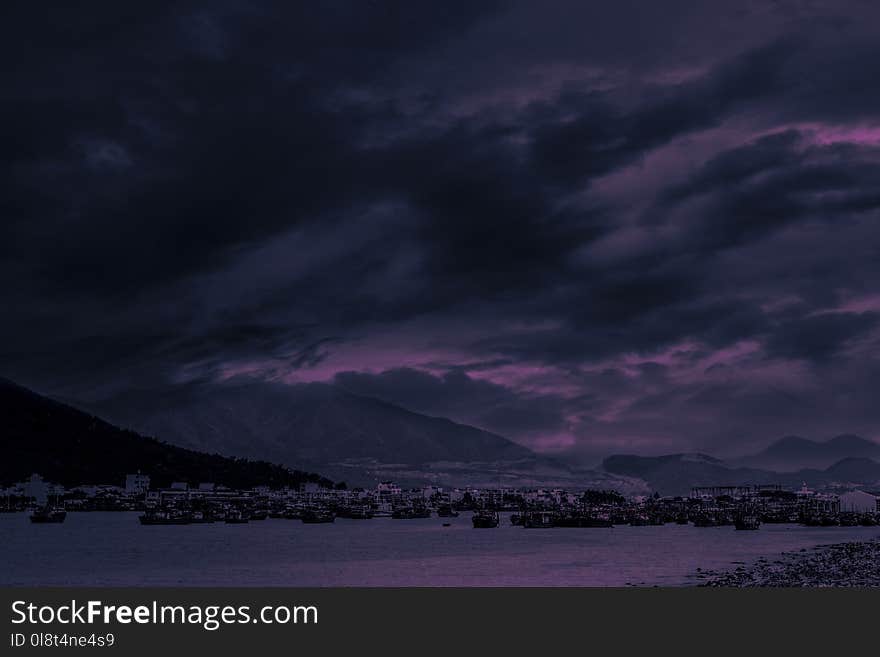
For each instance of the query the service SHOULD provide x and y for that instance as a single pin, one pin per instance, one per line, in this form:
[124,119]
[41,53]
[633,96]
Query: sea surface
[113,549]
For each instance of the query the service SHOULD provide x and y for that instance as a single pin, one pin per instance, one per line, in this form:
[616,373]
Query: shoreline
[850,564]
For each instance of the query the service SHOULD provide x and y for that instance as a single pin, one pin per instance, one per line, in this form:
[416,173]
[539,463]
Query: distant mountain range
[794,453]
[675,474]
[70,447]
[349,437]
[360,440]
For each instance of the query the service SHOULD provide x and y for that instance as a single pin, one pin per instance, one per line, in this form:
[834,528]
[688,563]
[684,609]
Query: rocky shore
[839,564]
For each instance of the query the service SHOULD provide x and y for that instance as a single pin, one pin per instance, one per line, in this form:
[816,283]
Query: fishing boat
[539,520]
[200,518]
[446,511]
[410,513]
[849,520]
[705,520]
[164,517]
[485,519]
[235,517]
[595,521]
[364,512]
[747,521]
[639,520]
[318,516]
[48,515]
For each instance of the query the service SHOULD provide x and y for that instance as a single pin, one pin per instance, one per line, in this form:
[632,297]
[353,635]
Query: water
[113,549]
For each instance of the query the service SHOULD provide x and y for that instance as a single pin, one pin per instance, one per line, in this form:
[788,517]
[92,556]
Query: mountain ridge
[72,447]
[792,453]
[676,474]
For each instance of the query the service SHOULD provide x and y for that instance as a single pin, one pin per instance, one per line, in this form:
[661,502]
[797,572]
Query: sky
[590,227]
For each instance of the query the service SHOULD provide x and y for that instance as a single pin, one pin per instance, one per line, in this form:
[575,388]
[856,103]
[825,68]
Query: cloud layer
[589,228]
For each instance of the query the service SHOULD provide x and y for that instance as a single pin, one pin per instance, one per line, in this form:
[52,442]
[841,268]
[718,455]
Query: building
[859,501]
[388,488]
[137,484]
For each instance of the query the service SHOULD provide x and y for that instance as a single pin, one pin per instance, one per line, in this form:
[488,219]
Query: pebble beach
[855,564]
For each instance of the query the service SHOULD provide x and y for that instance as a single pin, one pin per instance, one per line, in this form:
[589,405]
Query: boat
[539,520]
[595,521]
[705,520]
[200,518]
[258,514]
[849,520]
[364,512]
[317,516]
[582,520]
[410,513]
[747,521]
[48,515]
[485,519]
[821,520]
[235,517]
[446,511]
[516,519]
[447,524]
[639,520]
[164,517]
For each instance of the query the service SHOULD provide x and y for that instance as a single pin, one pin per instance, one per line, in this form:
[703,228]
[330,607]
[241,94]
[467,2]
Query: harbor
[113,549]
[206,535]
[741,507]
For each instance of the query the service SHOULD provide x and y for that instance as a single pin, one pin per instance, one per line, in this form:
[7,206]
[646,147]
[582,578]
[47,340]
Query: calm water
[113,549]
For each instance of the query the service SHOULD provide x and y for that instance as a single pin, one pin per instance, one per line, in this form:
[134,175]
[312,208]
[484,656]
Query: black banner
[230,621]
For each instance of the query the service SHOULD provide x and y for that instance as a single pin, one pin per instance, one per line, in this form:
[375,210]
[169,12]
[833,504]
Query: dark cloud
[587,227]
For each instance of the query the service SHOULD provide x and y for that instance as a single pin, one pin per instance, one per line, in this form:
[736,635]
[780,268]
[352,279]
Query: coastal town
[744,507]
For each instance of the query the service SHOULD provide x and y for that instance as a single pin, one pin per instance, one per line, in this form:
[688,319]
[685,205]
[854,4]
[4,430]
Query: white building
[137,484]
[388,488]
[859,501]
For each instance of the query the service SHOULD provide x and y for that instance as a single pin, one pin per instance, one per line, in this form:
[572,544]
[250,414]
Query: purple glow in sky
[589,227]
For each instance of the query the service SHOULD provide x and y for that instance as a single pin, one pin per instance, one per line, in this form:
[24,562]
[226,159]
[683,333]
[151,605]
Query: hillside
[70,447]
[312,423]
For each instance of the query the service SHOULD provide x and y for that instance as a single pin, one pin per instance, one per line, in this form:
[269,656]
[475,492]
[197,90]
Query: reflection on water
[112,549]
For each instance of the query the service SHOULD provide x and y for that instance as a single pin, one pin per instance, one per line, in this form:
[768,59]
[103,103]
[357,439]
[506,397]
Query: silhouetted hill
[794,453]
[70,447]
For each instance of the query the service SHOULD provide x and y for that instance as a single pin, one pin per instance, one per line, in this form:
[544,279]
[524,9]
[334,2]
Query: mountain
[70,447]
[675,474]
[793,453]
[307,422]
[349,437]
[857,471]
